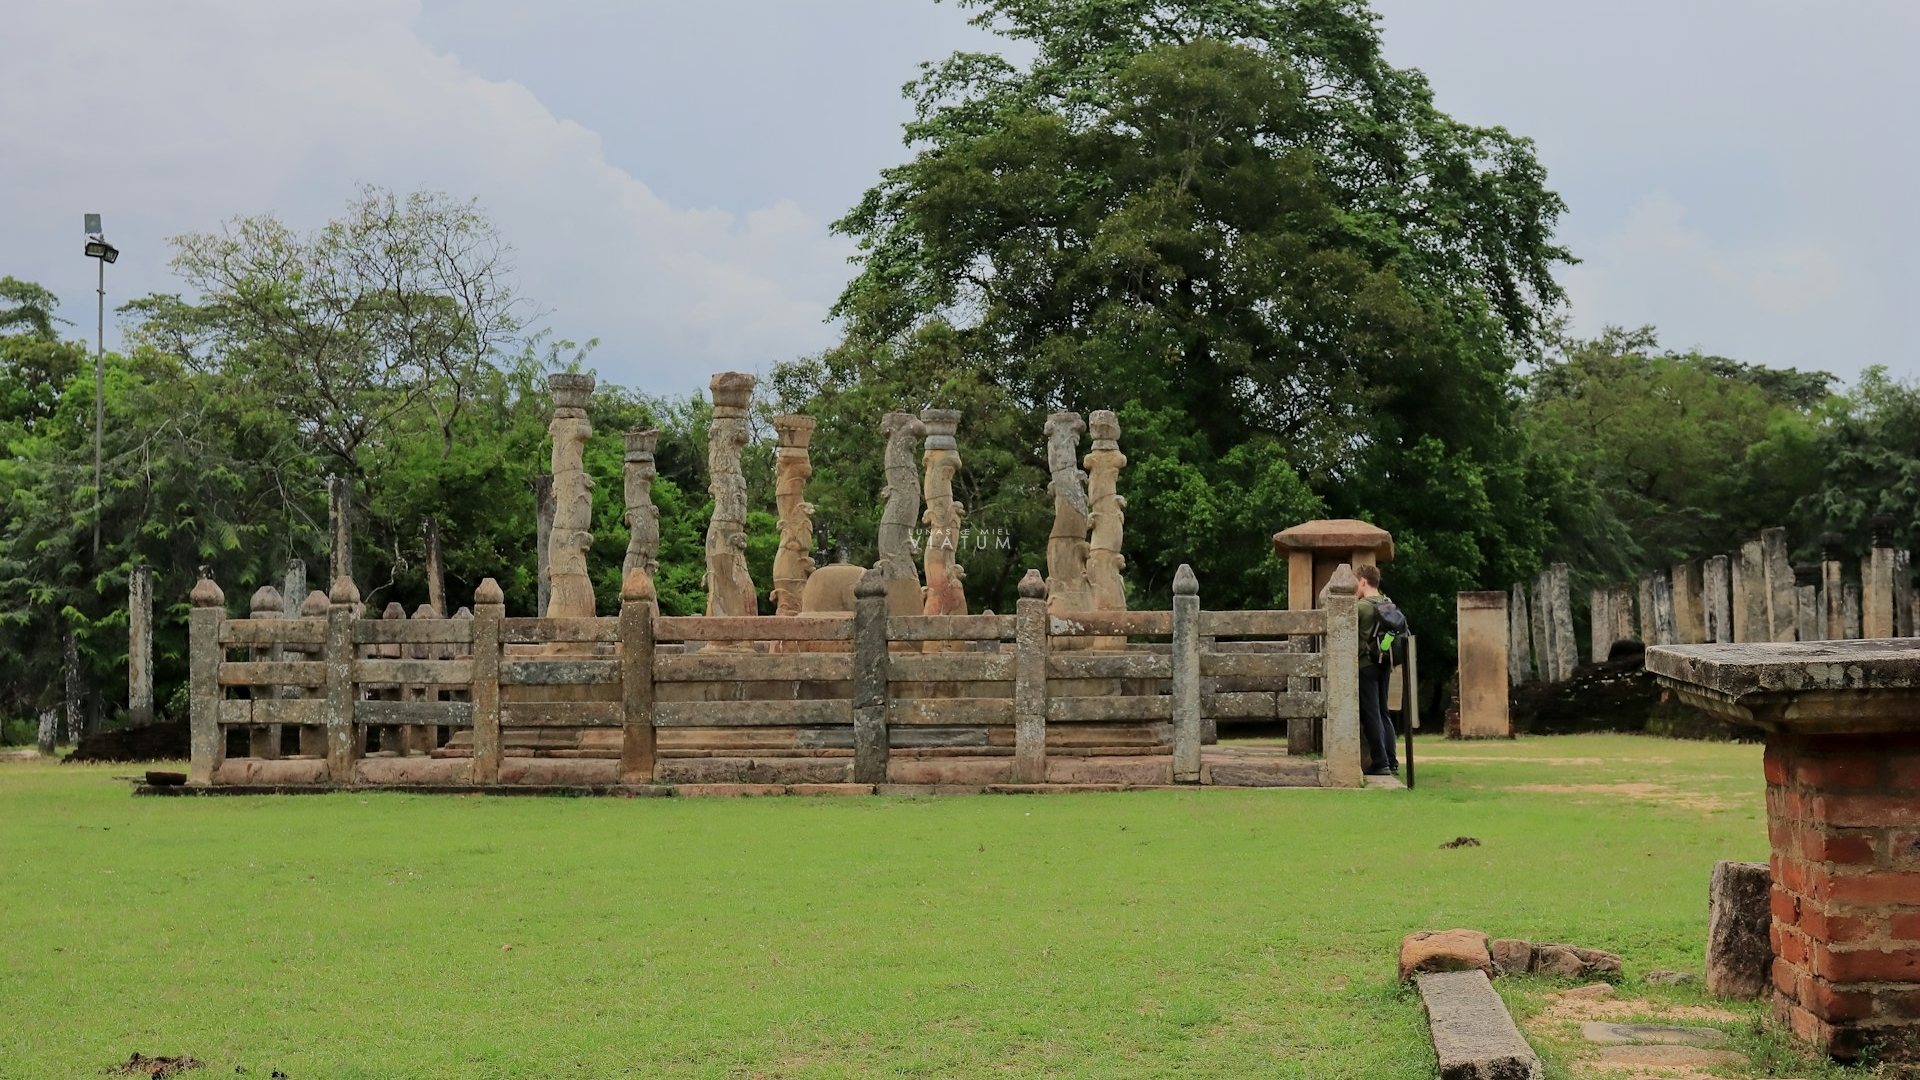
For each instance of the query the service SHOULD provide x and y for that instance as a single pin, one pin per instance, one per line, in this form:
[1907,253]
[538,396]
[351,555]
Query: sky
[668,172]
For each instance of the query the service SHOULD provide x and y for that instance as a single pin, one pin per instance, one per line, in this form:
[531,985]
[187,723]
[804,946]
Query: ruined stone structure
[570,588]
[1484,657]
[730,591]
[945,515]
[896,686]
[792,468]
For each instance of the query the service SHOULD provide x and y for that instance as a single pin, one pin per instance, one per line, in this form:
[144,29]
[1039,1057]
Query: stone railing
[867,698]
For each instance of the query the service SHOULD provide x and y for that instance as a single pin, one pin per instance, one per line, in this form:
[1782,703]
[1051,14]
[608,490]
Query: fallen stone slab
[1474,1038]
[1669,1034]
[1444,950]
[1668,1057]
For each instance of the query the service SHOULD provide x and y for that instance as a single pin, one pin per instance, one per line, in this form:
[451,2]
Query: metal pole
[99,404]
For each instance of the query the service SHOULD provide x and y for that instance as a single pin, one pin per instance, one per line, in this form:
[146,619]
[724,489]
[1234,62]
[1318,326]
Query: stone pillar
[1643,597]
[1624,628]
[1739,931]
[436,571]
[140,646]
[1105,562]
[340,520]
[206,745]
[1752,622]
[903,432]
[542,541]
[1542,629]
[1665,625]
[571,589]
[313,738]
[263,740]
[345,742]
[1689,610]
[1783,604]
[1342,760]
[1185,684]
[293,589]
[1068,589]
[1030,682]
[1599,623]
[1902,593]
[871,748]
[1519,637]
[1876,581]
[1809,599]
[1842,724]
[1850,611]
[489,608]
[730,590]
[643,518]
[637,742]
[73,697]
[792,466]
[946,578]
[1716,603]
[1483,665]
[1833,589]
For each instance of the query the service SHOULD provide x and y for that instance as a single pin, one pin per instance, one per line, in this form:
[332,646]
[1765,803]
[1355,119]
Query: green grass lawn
[1206,933]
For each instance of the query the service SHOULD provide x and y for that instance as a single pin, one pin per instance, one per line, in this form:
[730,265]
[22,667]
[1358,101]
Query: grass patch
[1213,933]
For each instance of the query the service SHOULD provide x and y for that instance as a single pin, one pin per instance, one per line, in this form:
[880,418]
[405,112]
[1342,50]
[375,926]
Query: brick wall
[1843,814]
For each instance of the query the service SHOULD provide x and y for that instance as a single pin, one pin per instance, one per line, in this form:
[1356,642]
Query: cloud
[170,118]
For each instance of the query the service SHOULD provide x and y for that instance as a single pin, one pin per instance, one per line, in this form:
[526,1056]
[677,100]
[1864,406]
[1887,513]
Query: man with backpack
[1382,627]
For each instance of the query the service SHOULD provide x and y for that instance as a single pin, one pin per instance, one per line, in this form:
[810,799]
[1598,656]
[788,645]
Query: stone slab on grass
[1473,1036]
[1668,1057]
[1673,1034]
[1444,950]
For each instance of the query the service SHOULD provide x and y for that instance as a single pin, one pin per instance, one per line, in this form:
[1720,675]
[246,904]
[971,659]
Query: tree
[30,309]
[1305,286]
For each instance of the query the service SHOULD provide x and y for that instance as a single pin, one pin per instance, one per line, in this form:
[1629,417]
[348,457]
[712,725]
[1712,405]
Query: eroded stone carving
[571,590]
[643,518]
[904,432]
[793,564]
[1067,548]
[1105,562]
[729,586]
[946,591]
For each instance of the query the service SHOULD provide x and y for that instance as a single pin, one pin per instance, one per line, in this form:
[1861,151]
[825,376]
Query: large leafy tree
[1304,286]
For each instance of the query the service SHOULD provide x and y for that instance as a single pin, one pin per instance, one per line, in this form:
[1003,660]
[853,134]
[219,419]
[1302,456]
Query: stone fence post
[489,608]
[1186,676]
[1030,681]
[1342,681]
[263,740]
[870,674]
[206,745]
[637,604]
[140,646]
[344,743]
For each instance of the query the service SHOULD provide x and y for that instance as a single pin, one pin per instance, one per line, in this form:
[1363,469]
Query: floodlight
[100,249]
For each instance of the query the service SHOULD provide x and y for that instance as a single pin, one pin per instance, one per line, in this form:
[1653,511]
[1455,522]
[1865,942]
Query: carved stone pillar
[643,518]
[1068,589]
[1105,562]
[570,589]
[729,586]
[946,592]
[793,563]
[904,432]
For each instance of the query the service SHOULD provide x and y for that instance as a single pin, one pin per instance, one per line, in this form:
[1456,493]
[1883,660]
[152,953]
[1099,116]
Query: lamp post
[98,248]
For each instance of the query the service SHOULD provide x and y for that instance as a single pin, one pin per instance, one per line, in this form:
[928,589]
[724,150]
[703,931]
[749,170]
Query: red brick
[1807,1026]
[1784,975]
[1866,965]
[1903,773]
[1904,926]
[1819,924]
[1828,1003]
[1789,945]
[1840,771]
[1853,848]
[1898,1004]
[1863,810]
[1775,765]
[1785,905]
[1881,887]
[1903,849]
[1793,875]
[1782,835]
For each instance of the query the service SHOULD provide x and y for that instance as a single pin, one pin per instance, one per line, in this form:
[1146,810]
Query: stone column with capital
[730,589]
[793,563]
[643,518]
[570,589]
[1068,588]
[1106,586]
[946,591]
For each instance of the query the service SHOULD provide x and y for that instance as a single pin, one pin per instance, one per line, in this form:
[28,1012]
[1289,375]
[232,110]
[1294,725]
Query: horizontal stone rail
[452,693]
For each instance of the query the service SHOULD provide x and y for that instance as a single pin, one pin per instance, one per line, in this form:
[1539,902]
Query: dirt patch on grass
[157,1068]
[1569,1009]
[1639,792]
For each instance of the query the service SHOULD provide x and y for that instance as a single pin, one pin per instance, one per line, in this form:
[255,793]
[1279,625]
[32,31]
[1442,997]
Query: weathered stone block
[1473,1036]
[1444,950]
[1512,956]
[1739,955]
